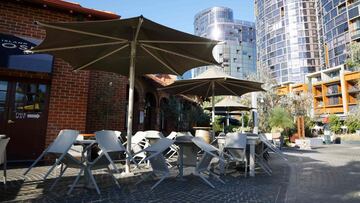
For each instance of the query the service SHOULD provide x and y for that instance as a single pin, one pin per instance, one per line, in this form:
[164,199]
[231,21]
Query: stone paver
[327,174]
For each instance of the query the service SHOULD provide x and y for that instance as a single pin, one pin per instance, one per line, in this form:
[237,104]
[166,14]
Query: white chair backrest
[160,146]
[108,141]
[138,137]
[235,140]
[172,135]
[3,143]
[118,135]
[153,134]
[63,141]
[198,141]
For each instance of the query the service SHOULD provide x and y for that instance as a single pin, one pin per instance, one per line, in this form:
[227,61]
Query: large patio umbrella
[213,82]
[228,106]
[121,45]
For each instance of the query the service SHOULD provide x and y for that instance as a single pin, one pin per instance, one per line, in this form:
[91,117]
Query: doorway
[23,117]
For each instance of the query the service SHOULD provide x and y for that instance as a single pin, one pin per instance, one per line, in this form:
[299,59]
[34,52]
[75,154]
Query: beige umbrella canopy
[130,47]
[213,82]
[229,105]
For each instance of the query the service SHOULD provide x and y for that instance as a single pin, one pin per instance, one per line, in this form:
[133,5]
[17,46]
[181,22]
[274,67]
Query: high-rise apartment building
[287,38]
[339,21]
[334,86]
[238,54]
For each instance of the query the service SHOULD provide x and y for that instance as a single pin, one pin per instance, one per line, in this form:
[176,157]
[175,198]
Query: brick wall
[69,90]
[107,104]
[107,101]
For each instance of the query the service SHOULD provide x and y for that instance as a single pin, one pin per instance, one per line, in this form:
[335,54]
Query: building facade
[238,54]
[340,24]
[333,91]
[287,39]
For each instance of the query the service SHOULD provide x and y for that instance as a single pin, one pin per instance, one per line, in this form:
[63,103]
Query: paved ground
[327,174]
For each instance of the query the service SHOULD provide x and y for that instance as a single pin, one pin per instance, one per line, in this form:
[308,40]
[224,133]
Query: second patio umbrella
[121,45]
[229,106]
[213,82]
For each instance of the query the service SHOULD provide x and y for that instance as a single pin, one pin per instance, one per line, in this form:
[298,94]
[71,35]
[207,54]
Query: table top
[87,135]
[186,139]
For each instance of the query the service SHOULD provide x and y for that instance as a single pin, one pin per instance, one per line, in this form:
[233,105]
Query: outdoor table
[181,141]
[86,143]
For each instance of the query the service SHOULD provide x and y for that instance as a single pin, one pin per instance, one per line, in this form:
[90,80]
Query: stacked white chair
[137,145]
[173,148]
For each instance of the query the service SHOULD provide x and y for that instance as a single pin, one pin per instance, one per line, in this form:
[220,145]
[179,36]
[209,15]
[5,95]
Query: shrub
[352,122]
[335,123]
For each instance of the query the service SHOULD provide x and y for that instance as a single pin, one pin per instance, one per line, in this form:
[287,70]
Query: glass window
[333,100]
[354,12]
[30,97]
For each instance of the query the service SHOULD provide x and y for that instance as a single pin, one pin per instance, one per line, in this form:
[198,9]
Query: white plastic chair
[173,148]
[235,145]
[3,160]
[203,165]
[137,144]
[59,148]
[157,160]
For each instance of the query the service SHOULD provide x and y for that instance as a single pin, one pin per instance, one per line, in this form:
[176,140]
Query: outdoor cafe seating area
[209,159]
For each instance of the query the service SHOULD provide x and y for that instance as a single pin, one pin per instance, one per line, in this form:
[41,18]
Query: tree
[354,60]
[266,100]
[280,118]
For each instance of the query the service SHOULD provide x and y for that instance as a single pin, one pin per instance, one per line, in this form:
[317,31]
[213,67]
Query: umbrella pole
[242,120]
[227,119]
[130,103]
[213,109]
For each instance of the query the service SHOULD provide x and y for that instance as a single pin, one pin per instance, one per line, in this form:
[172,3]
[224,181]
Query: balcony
[353,90]
[355,35]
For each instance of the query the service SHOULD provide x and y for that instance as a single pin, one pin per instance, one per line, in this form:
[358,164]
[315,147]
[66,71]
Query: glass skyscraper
[238,54]
[340,24]
[287,39]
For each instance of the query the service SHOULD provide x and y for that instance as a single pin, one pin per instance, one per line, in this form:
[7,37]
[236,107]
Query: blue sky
[178,14]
